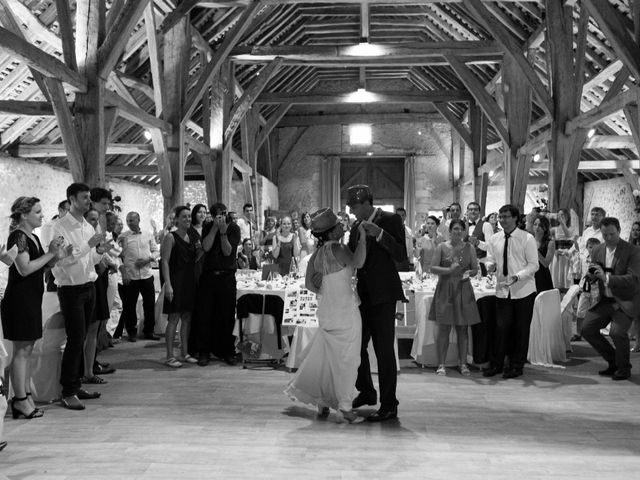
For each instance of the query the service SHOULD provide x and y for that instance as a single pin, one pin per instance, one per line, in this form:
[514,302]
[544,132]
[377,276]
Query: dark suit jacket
[624,281]
[378,279]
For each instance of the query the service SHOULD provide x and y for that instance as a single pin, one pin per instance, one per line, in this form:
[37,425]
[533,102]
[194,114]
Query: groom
[379,288]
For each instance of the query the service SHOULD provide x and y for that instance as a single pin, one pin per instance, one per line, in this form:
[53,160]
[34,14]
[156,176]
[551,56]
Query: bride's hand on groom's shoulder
[370,228]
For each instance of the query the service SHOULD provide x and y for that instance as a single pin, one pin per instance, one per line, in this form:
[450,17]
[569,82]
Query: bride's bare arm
[355,260]
[313,278]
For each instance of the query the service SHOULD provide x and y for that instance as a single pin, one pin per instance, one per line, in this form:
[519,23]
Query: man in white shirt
[74,275]
[455,212]
[247,224]
[514,255]
[479,232]
[46,235]
[409,242]
[139,250]
[592,231]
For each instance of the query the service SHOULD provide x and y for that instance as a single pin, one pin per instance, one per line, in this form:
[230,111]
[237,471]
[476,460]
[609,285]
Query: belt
[84,285]
[221,272]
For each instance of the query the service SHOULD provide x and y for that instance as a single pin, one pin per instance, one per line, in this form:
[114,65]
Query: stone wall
[299,174]
[615,197]
[20,177]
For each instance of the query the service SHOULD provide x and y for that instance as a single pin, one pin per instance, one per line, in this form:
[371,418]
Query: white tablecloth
[424,348]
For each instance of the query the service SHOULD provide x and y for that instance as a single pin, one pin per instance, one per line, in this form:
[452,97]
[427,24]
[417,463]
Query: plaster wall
[614,195]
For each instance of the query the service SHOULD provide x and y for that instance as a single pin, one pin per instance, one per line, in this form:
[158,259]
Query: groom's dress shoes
[609,371]
[621,374]
[383,414]
[362,400]
[491,372]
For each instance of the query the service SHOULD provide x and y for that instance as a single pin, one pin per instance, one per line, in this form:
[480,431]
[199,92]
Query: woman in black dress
[21,307]
[178,253]
[546,251]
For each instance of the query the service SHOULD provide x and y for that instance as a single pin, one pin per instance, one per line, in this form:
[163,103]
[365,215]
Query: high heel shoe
[16,413]
[39,411]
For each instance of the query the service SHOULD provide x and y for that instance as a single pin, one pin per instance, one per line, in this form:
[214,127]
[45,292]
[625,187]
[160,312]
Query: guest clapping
[454,303]
[247,256]
[286,246]
[178,264]
[22,303]
[427,243]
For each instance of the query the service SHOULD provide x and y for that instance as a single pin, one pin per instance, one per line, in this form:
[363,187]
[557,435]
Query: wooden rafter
[325,98]
[457,125]
[116,39]
[66,33]
[613,26]
[513,50]
[251,93]
[485,101]
[604,110]
[230,40]
[40,61]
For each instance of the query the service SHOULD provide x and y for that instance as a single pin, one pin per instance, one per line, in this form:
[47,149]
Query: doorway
[384,175]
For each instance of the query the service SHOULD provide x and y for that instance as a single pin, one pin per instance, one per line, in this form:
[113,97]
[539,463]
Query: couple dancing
[337,357]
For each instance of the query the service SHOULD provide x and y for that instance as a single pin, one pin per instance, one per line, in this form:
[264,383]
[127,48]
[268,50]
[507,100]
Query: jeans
[599,317]
[76,303]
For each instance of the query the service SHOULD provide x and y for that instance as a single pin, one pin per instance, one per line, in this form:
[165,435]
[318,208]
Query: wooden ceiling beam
[604,110]
[327,98]
[614,28]
[484,100]
[349,118]
[256,87]
[133,113]
[26,108]
[230,40]
[66,33]
[455,123]
[356,52]
[513,50]
[58,150]
[46,64]
[111,48]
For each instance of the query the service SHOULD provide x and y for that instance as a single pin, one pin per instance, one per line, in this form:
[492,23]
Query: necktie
[505,267]
[473,224]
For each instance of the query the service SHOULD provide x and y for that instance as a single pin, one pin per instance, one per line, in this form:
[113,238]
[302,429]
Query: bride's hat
[323,220]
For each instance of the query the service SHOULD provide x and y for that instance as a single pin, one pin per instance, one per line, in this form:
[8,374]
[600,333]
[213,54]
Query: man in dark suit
[379,288]
[616,266]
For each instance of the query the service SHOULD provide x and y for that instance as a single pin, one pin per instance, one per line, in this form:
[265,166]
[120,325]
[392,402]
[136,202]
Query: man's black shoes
[362,400]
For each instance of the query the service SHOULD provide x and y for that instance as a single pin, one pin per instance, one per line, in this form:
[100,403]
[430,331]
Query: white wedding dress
[327,374]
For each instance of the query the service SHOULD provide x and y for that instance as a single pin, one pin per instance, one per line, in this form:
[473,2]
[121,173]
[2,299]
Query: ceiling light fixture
[536,157]
[147,134]
[591,133]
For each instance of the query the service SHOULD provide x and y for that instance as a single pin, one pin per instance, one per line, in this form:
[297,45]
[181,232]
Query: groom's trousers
[378,324]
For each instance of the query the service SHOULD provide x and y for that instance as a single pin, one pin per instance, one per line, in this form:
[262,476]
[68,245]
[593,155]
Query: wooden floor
[224,422]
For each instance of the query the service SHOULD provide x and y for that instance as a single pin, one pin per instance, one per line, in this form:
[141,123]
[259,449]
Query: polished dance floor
[224,422]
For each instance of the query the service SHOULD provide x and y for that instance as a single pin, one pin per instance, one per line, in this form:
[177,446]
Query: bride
[329,367]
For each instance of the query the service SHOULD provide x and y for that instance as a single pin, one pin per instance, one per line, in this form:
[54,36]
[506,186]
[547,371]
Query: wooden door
[385,177]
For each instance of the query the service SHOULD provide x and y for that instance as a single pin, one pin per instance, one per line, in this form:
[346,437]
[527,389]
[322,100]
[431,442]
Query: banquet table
[424,348]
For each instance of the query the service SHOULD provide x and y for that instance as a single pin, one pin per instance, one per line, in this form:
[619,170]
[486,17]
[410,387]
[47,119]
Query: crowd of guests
[94,264]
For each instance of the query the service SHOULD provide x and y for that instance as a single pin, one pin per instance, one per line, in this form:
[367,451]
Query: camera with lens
[592,270]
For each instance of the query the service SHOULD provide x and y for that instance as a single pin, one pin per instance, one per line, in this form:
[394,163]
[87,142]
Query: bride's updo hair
[324,236]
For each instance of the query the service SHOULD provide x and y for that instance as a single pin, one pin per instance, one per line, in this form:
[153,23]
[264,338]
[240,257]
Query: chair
[568,310]
[546,338]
